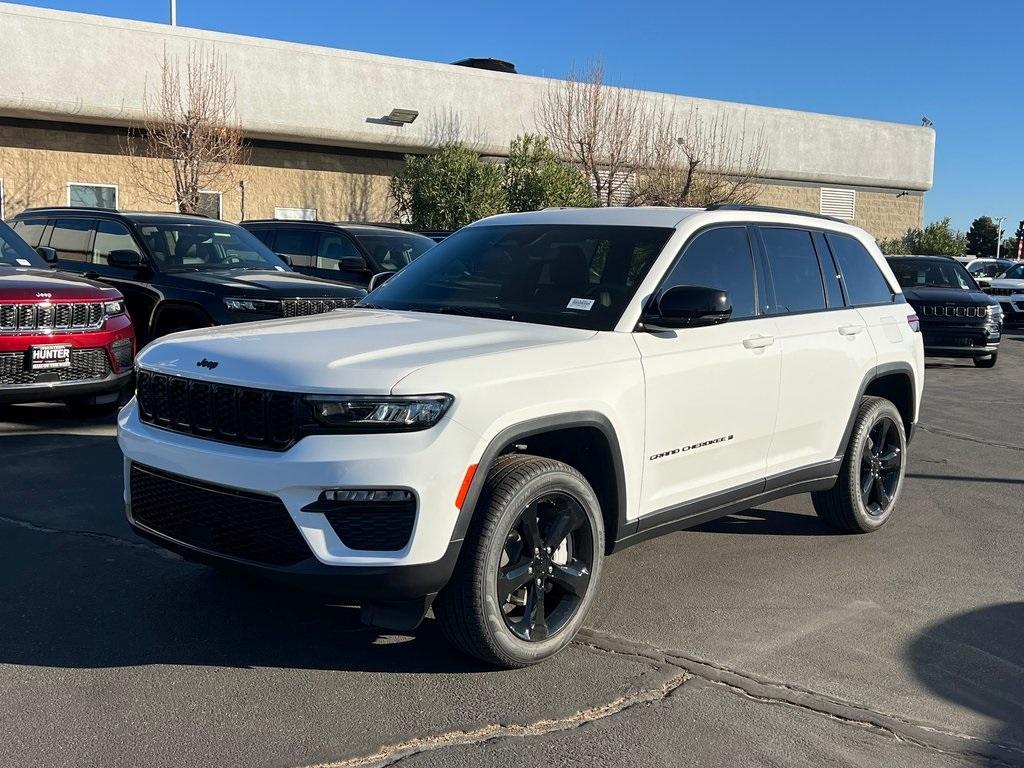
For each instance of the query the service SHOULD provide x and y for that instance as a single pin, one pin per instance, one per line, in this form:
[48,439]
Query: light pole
[174,13]
[999,231]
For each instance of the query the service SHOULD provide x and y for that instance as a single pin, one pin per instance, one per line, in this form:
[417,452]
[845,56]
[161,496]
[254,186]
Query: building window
[210,204]
[841,203]
[295,214]
[92,195]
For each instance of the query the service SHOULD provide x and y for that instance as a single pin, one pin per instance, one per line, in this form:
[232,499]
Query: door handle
[758,341]
[850,329]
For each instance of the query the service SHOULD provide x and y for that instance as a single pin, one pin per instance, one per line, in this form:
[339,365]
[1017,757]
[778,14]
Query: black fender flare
[525,429]
[874,374]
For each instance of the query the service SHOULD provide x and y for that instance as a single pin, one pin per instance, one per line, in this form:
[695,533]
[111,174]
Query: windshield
[577,276]
[1016,272]
[931,273]
[15,252]
[392,252]
[185,246]
[988,268]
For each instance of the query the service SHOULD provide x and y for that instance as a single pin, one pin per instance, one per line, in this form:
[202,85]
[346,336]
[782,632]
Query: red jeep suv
[62,337]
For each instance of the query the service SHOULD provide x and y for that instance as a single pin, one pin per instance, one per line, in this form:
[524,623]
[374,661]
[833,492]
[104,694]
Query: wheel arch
[586,440]
[176,307]
[893,381]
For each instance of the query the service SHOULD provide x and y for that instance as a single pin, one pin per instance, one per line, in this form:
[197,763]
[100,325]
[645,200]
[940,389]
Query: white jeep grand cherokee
[534,393]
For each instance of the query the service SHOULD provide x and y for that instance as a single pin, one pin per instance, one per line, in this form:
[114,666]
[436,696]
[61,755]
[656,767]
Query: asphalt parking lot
[760,639]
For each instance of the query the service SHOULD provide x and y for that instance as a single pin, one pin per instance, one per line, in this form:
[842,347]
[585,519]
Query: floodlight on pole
[174,13]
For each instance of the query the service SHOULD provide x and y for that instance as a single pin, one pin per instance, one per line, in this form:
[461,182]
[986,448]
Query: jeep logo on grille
[204,363]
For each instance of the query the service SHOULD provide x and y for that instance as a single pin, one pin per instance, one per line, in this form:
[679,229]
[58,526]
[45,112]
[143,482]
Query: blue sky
[960,63]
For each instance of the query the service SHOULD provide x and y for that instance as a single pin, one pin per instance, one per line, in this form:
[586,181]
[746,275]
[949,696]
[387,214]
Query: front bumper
[49,392]
[944,340]
[431,463]
[1013,308]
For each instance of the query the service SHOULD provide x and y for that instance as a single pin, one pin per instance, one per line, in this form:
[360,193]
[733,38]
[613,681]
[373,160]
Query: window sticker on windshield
[584,304]
[24,262]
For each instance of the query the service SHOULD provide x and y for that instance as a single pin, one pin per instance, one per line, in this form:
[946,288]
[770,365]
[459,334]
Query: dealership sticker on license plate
[49,357]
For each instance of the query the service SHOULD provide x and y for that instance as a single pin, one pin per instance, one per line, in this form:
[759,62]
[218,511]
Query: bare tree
[702,160]
[23,175]
[190,138]
[606,131]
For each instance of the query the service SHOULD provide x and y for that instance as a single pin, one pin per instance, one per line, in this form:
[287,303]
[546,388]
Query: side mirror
[688,306]
[379,279]
[352,264]
[125,259]
[285,258]
[49,255]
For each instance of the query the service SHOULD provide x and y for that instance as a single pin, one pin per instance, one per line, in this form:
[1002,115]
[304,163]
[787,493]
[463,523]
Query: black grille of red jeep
[85,365]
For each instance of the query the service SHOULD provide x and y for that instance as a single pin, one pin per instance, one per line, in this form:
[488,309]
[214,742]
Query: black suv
[178,272]
[350,253]
[957,318]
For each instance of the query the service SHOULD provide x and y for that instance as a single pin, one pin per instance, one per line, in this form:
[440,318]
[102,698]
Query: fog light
[366,494]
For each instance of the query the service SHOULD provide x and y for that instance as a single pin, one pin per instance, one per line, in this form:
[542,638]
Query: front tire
[989,361]
[529,568]
[871,477]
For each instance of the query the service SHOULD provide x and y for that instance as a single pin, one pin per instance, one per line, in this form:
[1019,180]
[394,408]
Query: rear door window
[71,239]
[794,269]
[864,282]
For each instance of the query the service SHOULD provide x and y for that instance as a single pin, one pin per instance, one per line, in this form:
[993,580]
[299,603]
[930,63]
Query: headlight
[111,308]
[369,413]
[265,306]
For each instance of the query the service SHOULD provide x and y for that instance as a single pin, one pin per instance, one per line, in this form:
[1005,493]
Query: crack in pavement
[393,753]
[104,538]
[969,438]
[768,691]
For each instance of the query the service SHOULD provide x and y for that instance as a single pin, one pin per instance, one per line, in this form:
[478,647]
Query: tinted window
[332,249]
[796,276]
[188,246]
[861,276]
[14,252]
[578,276]
[931,273]
[299,244]
[829,272]
[266,236]
[111,236]
[70,239]
[719,258]
[30,230]
[392,252]
[1015,273]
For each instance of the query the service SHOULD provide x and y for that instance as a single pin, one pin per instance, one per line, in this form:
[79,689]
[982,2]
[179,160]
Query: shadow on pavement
[768,522]
[976,660]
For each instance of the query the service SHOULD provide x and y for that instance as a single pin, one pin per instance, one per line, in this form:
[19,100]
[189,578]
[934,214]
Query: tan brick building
[320,146]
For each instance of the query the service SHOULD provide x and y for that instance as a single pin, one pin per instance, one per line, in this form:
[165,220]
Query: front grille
[44,316]
[239,524]
[302,307]
[86,365]
[253,417]
[942,310]
[378,526]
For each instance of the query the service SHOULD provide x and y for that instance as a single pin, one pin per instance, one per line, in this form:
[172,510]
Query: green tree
[449,189]
[1009,248]
[893,246]
[983,236]
[937,239]
[536,178]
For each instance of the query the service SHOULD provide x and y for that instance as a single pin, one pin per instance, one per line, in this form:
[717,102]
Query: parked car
[1008,290]
[983,270]
[62,337]
[179,272]
[957,318]
[535,392]
[348,253]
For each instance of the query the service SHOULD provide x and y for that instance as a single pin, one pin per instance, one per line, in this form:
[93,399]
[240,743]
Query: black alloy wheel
[880,464]
[546,567]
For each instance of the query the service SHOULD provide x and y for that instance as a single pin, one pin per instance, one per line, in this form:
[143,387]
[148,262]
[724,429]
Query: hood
[51,285]
[262,283]
[1004,282]
[946,296]
[350,351]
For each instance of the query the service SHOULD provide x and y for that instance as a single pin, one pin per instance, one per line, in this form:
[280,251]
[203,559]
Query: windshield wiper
[495,314]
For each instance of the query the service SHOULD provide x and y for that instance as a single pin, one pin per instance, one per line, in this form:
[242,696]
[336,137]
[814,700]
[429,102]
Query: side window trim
[828,265]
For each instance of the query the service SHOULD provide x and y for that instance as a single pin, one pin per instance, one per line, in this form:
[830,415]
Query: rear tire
[989,361]
[871,477]
[522,587]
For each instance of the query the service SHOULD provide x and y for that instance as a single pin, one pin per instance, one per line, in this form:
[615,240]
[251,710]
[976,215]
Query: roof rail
[770,209]
[71,208]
